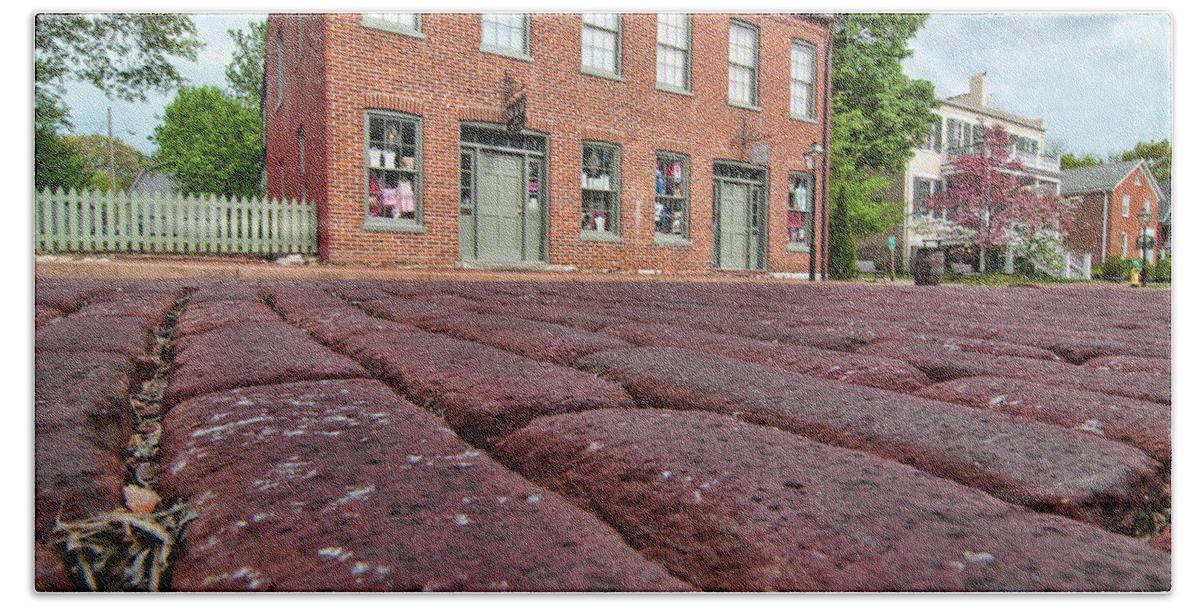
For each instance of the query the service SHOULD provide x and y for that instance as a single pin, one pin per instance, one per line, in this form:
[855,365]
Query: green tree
[1157,153]
[57,165]
[877,114]
[210,144]
[122,54]
[1070,161]
[127,160]
[245,73]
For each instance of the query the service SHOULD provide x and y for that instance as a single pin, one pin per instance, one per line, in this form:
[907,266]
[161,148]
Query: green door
[498,210]
[734,224]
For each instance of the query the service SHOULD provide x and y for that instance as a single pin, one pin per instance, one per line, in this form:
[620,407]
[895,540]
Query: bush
[1161,272]
[1113,269]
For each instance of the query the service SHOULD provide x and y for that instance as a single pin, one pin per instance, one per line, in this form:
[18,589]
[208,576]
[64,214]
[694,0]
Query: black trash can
[929,267]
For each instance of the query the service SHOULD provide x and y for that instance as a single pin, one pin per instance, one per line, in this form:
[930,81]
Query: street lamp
[1144,241]
[811,155]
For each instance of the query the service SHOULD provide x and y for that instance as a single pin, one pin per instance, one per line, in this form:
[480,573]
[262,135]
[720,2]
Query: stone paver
[941,363]
[341,485]
[1126,363]
[246,354]
[1020,461]
[740,507]
[1142,424]
[401,397]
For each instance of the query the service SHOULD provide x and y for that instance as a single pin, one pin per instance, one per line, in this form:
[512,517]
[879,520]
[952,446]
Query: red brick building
[603,141]
[1108,199]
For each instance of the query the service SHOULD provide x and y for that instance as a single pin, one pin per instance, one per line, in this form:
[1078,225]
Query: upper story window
[804,69]
[1146,205]
[601,44]
[401,23]
[1027,145]
[924,188]
[933,141]
[1125,205]
[675,52]
[743,64]
[393,171]
[671,194]
[506,34]
[601,187]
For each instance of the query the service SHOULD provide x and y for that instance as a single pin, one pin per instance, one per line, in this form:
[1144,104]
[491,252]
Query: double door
[739,219]
[502,208]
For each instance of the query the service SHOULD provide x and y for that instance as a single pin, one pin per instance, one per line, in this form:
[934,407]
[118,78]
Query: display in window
[799,214]
[670,203]
[393,171]
[598,181]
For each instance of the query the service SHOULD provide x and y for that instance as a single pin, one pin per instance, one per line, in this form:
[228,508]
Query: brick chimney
[978,94]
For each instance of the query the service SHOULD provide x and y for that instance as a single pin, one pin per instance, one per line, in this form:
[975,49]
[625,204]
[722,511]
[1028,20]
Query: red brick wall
[303,103]
[1088,227]
[445,79]
[1131,225]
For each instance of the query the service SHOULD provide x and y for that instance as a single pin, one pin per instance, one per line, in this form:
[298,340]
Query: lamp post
[1144,242]
[811,155]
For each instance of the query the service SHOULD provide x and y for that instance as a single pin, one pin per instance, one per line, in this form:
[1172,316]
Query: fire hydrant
[1135,274]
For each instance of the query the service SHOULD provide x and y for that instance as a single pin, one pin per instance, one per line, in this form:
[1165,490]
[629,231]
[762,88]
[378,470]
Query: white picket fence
[89,221]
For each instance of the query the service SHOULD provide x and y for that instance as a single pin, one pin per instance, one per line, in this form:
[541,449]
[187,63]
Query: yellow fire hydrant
[1135,274]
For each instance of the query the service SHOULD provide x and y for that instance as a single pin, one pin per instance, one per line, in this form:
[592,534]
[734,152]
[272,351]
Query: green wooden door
[734,242]
[498,211]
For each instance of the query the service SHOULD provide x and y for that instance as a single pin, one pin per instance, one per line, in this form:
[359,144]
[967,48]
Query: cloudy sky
[1102,81]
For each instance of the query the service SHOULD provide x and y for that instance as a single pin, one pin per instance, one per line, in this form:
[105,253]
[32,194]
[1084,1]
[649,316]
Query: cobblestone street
[376,434]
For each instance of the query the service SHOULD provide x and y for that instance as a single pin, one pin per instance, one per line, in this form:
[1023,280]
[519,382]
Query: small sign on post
[892,253]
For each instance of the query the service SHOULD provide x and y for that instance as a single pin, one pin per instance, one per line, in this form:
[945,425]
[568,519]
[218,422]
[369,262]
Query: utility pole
[112,172]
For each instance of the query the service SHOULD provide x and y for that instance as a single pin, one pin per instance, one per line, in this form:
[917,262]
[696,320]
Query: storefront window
[393,167]
[800,211]
[671,194]
[601,187]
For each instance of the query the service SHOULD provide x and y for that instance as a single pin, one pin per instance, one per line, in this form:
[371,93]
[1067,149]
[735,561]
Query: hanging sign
[514,105]
[514,114]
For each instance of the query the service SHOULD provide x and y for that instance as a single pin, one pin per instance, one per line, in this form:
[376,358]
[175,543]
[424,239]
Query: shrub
[1161,272]
[1113,269]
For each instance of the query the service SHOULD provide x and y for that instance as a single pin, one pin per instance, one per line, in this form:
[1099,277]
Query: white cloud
[1102,81]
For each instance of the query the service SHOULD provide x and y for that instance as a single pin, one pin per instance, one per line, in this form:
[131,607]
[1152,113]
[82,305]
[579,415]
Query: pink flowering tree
[989,203]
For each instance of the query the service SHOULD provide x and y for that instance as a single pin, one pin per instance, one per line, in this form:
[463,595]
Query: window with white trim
[924,188]
[601,187]
[600,43]
[402,23]
[1124,244]
[804,69]
[671,194]
[1146,205]
[933,141]
[393,168]
[743,64]
[1125,205]
[800,211]
[506,34]
[675,52]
